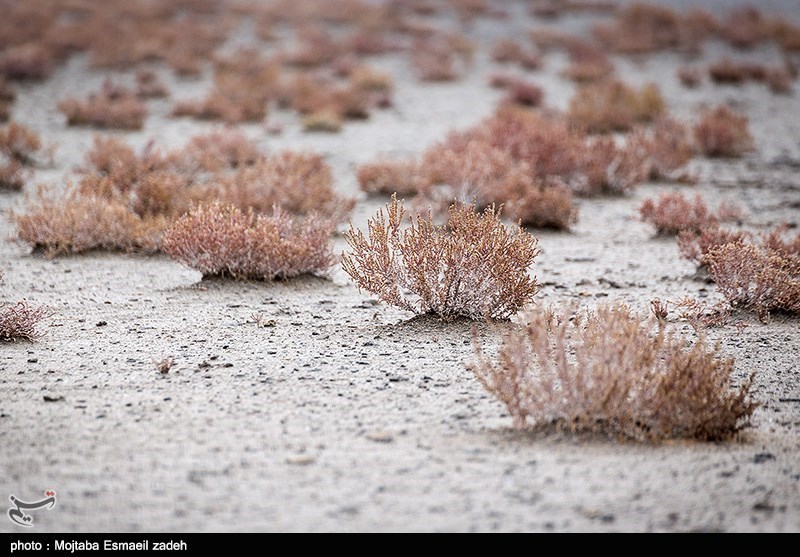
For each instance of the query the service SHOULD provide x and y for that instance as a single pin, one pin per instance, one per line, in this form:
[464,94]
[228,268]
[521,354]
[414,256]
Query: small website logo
[17,514]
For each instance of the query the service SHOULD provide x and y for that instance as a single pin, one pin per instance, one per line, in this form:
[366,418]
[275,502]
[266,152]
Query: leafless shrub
[614,106]
[404,177]
[218,150]
[756,277]
[220,240]
[27,61]
[673,213]
[668,145]
[163,365]
[474,268]
[695,245]
[538,203]
[112,107]
[615,373]
[150,86]
[701,315]
[722,132]
[587,62]
[609,169]
[18,145]
[19,321]
[690,77]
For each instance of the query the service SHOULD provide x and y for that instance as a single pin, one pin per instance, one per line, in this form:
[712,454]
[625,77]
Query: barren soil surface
[344,414]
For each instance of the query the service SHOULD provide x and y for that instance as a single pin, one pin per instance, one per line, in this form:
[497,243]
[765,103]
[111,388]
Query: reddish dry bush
[756,277]
[300,183]
[18,145]
[668,146]
[388,177]
[509,51]
[614,373]
[441,57]
[745,27]
[779,81]
[524,93]
[695,245]
[19,321]
[76,223]
[614,106]
[608,169]
[218,150]
[690,77]
[728,71]
[587,62]
[538,203]
[112,107]
[722,132]
[474,267]
[673,213]
[27,61]
[641,28]
[150,86]
[221,240]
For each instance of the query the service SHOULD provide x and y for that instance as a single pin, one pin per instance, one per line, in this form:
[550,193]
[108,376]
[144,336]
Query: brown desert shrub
[695,245]
[668,145]
[728,71]
[722,132]
[112,107]
[18,145]
[221,240]
[323,121]
[609,169]
[690,77]
[474,267]
[403,177]
[524,93]
[612,106]
[587,62]
[509,51]
[745,27]
[539,203]
[150,86]
[756,277]
[19,321]
[27,61]
[613,372]
[779,81]
[218,150]
[673,213]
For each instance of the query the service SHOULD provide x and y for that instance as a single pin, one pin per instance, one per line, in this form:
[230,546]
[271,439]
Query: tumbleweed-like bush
[473,267]
[111,107]
[19,321]
[221,240]
[610,106]
[612,372]
[392,176]
[695,245]
[722,132]
[672,213]
[761,277]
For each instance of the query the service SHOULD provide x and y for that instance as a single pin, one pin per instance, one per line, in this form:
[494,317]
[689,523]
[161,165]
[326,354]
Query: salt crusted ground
[348,415]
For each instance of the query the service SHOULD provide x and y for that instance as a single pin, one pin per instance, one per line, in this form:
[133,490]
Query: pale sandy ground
[348,415]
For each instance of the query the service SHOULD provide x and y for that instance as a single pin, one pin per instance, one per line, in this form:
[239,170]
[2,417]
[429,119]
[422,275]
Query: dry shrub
[19,321]
[756,277]
[441,57]
[695,245]
[779,81]
[524,93]
[690,77]
[474,267]
[509,51]
[673,213]
[745,27]
[587,62]
[668,145]
[641,28]
[18,145]
[301,183]
[538,203]
[27,61]
[111,107]
[218,150]
[221,240]
[150,86]
[608,169]
[76,223]
[388,177]
[323,121]
[612,106]
[613,372]
[728,71]
[722,132]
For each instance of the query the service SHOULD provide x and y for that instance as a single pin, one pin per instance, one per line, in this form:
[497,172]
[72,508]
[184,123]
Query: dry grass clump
[27,61]
[509,51]
[18,145]
[524,93]
[150,86]
[19,321]
[441,56]
[323,121]
[111,107]
[745,27]
[587,62]
[673,213]
[668,145]
[611,106]
[761,276]
[474,267]
[613,372]
[221,240]
[690,77]
[388,177]
[641,28]
[722,132]
[123,201]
